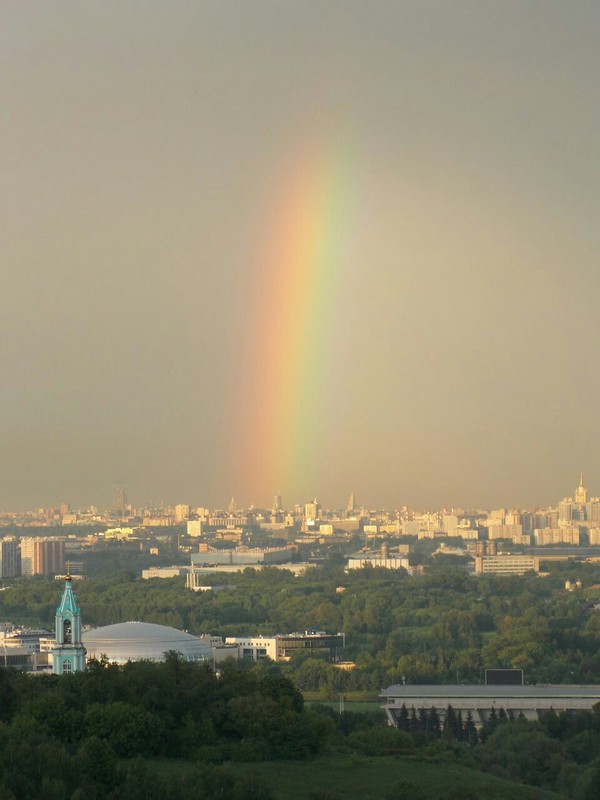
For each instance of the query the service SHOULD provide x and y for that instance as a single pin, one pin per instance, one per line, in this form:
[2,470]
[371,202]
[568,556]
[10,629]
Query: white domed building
[133,641]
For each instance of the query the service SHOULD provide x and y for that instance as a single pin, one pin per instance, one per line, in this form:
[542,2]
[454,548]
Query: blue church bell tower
[68,654]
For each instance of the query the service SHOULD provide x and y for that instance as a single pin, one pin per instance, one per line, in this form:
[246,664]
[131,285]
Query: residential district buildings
[306,528]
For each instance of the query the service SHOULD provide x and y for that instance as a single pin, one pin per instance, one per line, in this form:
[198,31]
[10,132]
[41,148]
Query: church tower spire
[68,654]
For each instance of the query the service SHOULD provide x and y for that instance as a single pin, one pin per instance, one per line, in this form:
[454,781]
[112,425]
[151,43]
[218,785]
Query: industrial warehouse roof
[132,641]
[491,691]
[530,702]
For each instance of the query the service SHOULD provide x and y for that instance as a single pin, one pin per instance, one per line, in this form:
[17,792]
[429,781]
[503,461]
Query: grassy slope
[361,778]
[369,778]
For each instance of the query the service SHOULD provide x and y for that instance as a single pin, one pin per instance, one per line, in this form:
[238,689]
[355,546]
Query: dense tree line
[91,732]
[95,735]
[440,627]
[80,735]
[559,752]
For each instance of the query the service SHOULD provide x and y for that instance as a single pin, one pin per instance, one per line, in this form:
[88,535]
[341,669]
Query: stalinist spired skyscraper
[581,492]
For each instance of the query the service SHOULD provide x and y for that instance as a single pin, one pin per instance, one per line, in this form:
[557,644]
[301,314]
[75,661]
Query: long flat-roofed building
[506,564]
[244,556]
[517,701]
[376,560]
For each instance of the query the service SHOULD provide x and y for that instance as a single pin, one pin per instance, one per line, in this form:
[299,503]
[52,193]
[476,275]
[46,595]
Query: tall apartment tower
[592,509]
[10,557]
[565,509]
[312,512]
[42,556]
[182,512]
[68,654]
[119,500]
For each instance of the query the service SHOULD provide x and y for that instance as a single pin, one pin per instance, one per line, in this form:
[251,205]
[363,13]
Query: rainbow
[288,344]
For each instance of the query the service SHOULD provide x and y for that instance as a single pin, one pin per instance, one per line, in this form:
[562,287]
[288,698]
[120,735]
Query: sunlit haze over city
[299,248]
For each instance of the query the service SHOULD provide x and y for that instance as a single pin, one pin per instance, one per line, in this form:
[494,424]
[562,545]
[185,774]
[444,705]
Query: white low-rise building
[165,572]
[282,646]
[385,562]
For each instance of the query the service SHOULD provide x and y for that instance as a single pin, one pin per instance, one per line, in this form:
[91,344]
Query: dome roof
[131,641]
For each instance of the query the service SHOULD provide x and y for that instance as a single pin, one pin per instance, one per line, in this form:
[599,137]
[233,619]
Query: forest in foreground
[178,730]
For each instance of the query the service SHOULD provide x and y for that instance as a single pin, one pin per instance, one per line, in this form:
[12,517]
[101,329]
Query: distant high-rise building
[10,558]
[277,506]
[232,506]
[565,509]
[351,507]
[182,512]
[449,522]
[42,556]
[593,509]
[312,512]
[513,518]
[527,520]
[119,500]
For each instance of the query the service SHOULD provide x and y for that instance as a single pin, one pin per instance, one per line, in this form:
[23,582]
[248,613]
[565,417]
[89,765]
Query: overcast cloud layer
[140,146]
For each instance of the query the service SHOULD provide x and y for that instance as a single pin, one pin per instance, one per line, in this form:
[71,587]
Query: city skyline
[299,248]
[119,504]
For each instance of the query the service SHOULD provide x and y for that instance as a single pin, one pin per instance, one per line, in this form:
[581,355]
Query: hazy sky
[142,145]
